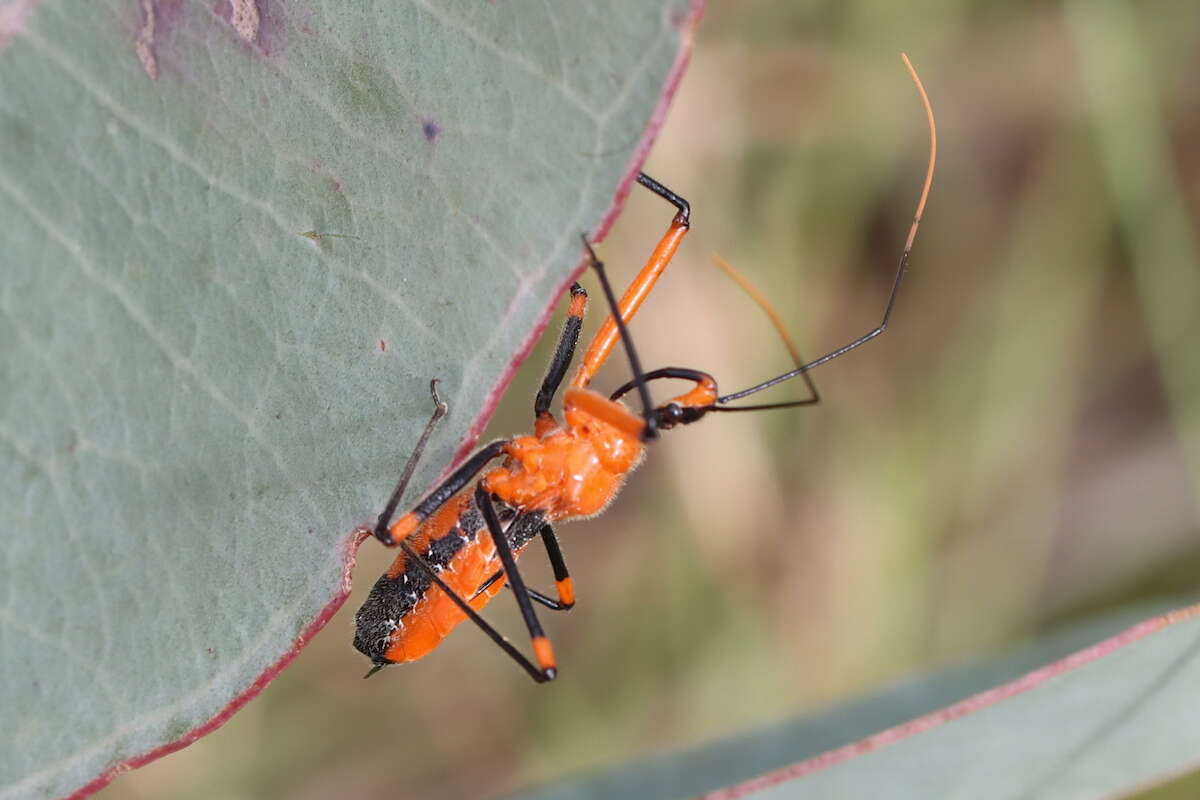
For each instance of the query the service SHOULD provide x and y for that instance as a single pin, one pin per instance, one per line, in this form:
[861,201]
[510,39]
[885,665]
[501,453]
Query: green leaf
[237,245]
[1091,722]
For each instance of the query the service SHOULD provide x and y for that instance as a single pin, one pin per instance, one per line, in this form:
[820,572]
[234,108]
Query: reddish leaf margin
[952,712]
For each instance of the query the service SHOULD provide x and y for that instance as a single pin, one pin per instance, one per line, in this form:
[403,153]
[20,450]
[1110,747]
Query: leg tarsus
[685,210]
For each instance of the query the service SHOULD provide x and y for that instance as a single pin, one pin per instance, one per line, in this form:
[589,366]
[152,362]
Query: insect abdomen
[406,616]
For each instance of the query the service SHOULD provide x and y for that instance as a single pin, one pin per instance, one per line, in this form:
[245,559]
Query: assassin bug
[459,544]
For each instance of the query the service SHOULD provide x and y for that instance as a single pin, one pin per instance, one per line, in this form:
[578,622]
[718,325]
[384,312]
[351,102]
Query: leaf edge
[962,708]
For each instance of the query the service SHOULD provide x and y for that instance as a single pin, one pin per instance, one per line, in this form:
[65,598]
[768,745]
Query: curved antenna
[900,270]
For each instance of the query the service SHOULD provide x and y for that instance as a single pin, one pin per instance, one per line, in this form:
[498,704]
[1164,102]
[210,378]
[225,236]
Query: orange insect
[459,544]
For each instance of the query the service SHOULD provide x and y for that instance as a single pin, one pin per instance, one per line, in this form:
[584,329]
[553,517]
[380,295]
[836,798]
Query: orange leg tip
[544,654]
[402,527]
[566,591]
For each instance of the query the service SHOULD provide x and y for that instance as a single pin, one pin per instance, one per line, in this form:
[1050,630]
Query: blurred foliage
[1021,449]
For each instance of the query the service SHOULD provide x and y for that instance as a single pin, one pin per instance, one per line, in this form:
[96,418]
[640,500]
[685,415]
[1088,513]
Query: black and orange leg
[391,535]
[614,327]
[543,653]
[647,429]
[562,578]
[569,338]
[563,353]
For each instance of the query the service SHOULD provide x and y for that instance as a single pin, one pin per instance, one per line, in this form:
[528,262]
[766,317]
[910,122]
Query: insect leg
[534,595]
[562,578]
[673,373]
[435,499]
[613,327]
[542,650]
[703,378]
[647,428]
[563,354]
[439,411]
[685,210]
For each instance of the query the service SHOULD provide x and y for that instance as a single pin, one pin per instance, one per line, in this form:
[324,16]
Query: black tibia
[509,563]
[439,410]
[685,210]
[557,563]
[447,489]
[554,552]
[561,359]
[459,478]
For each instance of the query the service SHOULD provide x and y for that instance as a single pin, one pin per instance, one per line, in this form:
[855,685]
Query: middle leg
[562,578]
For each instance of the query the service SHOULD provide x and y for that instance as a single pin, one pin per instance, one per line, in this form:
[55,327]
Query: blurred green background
[1019,451]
